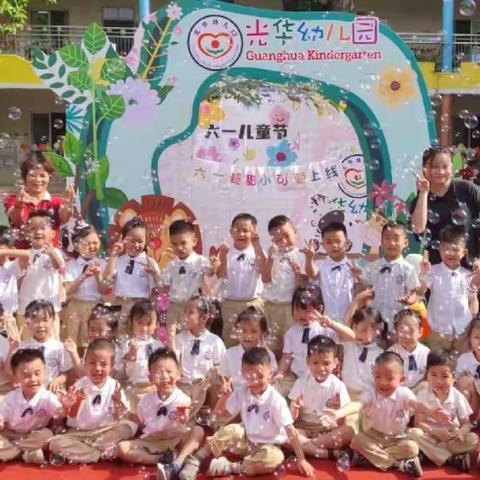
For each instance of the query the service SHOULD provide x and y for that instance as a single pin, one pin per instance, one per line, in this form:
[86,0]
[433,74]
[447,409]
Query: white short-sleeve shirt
[131,280]
[414,363]
[97,410]
[448,308]
[185,277]
[336,282]
[264,416]
[390,281]
[295,342]
[243,280]
[88,288]
[57,358]
[317,396]
[41,281]
[136,371]
[4,349]
[157,415]
[357,367]
[231,367]
[195,366]
[387,415]
[10,272]
[467,364]
[455,404]
[25,416]
[281,287]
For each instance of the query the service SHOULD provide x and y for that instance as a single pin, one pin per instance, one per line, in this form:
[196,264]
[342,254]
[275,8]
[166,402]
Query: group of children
[315,356]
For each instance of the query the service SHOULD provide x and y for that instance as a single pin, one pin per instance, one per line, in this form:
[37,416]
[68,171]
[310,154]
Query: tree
[319,5]
[14,14]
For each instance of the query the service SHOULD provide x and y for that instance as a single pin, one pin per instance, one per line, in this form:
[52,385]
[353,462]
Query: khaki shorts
[154,445]
[310,429]
[124,324]
[75,321]
[279,320]
[175,316]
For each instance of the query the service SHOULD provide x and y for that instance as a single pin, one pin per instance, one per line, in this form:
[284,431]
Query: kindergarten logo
[215,42]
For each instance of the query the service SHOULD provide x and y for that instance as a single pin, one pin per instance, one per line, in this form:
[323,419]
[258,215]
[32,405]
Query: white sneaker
[34,456]
[219,467]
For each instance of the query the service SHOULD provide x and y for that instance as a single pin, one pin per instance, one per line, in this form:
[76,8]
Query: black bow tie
[35,257]
[28,410]
[129,267]
[306,335]
[412,364]
[336,267]
[149,349]
[477,372]
[196,348]
[182,270]
[97,400]
[386,269]
[162,411]
[253,408]
[241,257]
[363,355]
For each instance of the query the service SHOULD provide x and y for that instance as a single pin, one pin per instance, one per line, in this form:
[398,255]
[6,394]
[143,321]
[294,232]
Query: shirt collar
[445,269]
[169,399]
[193,337]
[35,398]
[450,397]
[334,263]
[325,384]
[398,260]
[262,397]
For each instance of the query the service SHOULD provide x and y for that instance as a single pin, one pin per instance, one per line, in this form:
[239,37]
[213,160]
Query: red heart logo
[215,45]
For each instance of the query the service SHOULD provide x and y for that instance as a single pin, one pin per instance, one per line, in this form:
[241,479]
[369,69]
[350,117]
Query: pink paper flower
[174,12]
[382,193]
[400,206]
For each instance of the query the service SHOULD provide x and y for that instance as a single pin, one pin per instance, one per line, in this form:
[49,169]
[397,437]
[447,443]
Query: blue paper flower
[281,155]
[75,118]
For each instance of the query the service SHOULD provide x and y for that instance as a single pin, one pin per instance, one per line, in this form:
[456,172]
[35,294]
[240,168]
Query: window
[47,127]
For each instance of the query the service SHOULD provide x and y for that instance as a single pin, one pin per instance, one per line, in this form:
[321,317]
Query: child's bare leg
[128,452]
[466,385]
[335,439]
[192,441]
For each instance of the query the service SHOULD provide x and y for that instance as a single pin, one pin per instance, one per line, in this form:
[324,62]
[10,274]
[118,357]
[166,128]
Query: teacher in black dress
[442,200]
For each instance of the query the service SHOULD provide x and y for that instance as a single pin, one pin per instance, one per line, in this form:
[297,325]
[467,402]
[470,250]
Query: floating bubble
[476,134]
[57,459]
[58,123]
[280,471]
[476,223]
[435,245]
[58,101]
[463,114]
[467,8]
[374,164]
[436,99]
[14,113]
[460,216]
[343,462]
[204,417]
[471,121]
[426,237]
[368,80]
[433,217]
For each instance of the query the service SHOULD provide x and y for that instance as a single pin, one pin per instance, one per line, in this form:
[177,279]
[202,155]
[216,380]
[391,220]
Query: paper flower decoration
[281,155]
[396,87]
[382,193]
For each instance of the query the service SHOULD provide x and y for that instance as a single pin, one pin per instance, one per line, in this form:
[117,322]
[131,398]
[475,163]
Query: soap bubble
[14,113]
[433,217]
[460,216]
[204,417]
[374,164]
[343,462]
[57,459]
[58,123]
[280,471]
[471,122]
[368,80]
[436,99]
[435,245]
[467,8]
[476,223]
[463,114]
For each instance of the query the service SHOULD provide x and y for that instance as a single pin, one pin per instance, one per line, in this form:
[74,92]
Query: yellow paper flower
[397,86]
[249,154]
[210,113]
[95,70]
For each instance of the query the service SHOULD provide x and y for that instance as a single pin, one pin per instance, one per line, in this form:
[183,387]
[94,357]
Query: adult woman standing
[443,200]
[36,172]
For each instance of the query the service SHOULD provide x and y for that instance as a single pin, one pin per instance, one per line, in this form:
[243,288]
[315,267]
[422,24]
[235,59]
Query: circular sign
[215,42]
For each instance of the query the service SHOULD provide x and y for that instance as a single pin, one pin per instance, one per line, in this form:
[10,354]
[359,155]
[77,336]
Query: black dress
[445,210]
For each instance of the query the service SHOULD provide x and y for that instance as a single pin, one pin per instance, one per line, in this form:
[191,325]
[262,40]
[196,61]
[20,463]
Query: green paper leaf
[71,148]
[94,38]
[114,69]
[73,56]
[112,106]
[38,59]
[163,91]
[61,166]
[79,100]
[102,170]
[114,198]
[57,85]
[80,80]
[47,76]
[68,94]
[61,71]
[52,59]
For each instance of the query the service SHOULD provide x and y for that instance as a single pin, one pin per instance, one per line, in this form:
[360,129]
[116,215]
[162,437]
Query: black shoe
[166,457]
[411,466]
[358,460]
[462,462]
[168,471]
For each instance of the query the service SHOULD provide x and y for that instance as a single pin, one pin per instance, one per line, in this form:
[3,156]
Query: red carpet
[325,471]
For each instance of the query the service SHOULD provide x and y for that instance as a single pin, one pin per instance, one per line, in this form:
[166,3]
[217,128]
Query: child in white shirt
[335,274]
[95,416]
[39,315]
[101,326]
[468,369]
[26,412]
[240,268]
[162,416]
[392,278]
[183,276]
[199,352]
[251,326]
[408,329]
[317,397]
[266,426]
[448,442]
[83,284]
[307,307]
[5,371]
[42,270]
[453,298]
[385,440]
[131,358]
[134,274]
[282,273]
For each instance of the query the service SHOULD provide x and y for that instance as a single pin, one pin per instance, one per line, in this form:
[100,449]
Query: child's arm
[14,252]
[260,257]
[303,466]
[71,348]
[268,264]
[284,365]
[65,211]
[55,258]
[295,406]
[78,397]
[436,413]
[222,257]
[112,261]
[331,417]
[360,300]
[58,383]
[345,334]
[221,404]
[424,269]
[310,268]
